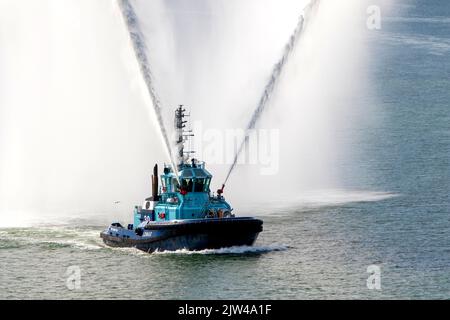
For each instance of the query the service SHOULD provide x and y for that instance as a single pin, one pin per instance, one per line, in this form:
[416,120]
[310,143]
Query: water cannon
[155,183]
[220,191]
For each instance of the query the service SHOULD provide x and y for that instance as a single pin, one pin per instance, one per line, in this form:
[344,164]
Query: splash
[229,251]
[270,86]
[316,199]
[137,40]
[50,238]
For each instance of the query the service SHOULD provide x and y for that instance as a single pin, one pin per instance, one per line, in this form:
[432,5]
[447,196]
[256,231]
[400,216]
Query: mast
[181,135]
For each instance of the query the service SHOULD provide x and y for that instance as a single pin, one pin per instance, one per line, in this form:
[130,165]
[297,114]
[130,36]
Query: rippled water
[316,252]
[316,246]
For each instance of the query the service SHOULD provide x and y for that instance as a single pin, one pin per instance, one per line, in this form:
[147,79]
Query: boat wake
[238,250]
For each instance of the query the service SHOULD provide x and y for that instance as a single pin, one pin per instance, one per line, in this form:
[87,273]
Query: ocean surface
[318,249]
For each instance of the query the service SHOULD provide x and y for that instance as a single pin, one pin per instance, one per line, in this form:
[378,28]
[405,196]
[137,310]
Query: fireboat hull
[192,235]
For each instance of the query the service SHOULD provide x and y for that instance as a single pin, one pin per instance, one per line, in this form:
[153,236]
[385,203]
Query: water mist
[74,129]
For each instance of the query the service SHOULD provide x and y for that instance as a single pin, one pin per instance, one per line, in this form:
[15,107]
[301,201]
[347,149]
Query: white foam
[230,250]
[339,197]
[316,199]
[131,250]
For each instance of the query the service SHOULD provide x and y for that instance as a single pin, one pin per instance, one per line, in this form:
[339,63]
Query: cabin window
[170,184]
[199,185]
[166,183]
[206,186]
[187,184]
[175,184]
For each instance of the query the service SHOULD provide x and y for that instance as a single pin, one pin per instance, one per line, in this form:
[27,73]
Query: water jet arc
[270,86]
[138,43]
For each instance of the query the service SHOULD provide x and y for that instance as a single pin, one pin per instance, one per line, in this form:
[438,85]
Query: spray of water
[270,86]
[137,40]
[75,121]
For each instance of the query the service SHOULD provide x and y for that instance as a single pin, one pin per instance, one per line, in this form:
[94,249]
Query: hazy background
[75,131]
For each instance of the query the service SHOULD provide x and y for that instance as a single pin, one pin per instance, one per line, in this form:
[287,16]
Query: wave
[433,44]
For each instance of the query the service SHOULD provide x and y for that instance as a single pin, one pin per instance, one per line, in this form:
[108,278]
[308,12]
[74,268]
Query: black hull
[192,235]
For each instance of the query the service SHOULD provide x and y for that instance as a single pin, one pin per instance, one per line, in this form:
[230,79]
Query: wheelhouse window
[206,186]
[170,184]
[175,184]
[199,185]
[166,184]
[187,184]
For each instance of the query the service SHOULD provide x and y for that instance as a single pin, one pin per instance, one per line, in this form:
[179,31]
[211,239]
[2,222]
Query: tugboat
[182,213]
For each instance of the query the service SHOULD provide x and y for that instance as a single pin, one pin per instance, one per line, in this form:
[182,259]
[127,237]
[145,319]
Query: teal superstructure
[187,196]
